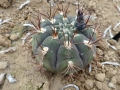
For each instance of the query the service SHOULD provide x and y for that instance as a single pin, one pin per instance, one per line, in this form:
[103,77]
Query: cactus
[63,43]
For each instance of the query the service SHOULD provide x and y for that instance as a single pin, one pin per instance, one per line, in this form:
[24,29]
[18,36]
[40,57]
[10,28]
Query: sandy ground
[20,62]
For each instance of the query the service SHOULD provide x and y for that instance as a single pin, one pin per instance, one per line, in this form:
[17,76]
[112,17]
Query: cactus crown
[63,43]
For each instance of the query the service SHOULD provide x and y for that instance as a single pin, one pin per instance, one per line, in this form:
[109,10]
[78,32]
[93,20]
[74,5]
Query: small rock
[100,51]
[3,65]
[106,57]
[5,3]
[118,49]
[103,45]
[105,86]
[100,76]
[4,41]
[89,84]
[113,80]
[46,86]
[7,35]
[111,85]
[118,79]
[103,70]
[98,84]
[82,79]
[112,41]
[2,77]
[14,37]
[111,72]
[92,73]
[10,50]
[38,1]
[92,5]
[10,78]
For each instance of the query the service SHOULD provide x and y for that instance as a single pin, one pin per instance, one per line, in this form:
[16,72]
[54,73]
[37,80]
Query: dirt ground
[26,73]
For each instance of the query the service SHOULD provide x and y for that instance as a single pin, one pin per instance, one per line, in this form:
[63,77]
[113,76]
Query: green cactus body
[65,44]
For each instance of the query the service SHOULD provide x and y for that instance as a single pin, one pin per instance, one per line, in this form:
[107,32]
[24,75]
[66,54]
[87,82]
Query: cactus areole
[63,43]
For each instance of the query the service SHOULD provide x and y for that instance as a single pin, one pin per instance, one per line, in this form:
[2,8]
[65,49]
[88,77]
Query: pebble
[100,76]
[4,41]
[14,37]
[100,52]
[82,79]
[103,45]
[112,41]
[7,35]
[105,86]
[92,73]
[111,72]
[89,84]
[92,5]
[10,78]
[118,49]
[111,85]
[113,80]
[2,77]
[5,3]
[98,84]
[39,1]
[3,65]
[118,79]
[106,57]
[103,70]
[46,86]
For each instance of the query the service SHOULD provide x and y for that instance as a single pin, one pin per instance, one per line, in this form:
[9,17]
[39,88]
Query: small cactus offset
[62,43]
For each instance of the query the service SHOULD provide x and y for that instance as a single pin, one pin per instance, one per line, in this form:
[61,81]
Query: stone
[2,77]
[39,1]
[100,76]
[113,80]
[92,73]
[103,45]
[111,85]
[112,41]
[106,57]
[82,79]
[105,86]
[118,49]
[7,35]
[14,37]
[5,3]
[3,65]
[118,79]
[46,86]
[98,84]
[110,56]
[4,41]
[103,70]
[92,5]
[111,72]
[100,52]
[89,84]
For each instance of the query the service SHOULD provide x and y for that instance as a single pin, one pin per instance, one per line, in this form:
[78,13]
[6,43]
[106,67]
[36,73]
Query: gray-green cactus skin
[64,44]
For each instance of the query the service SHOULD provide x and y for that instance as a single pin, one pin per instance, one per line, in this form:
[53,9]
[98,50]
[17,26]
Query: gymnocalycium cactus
[63,43]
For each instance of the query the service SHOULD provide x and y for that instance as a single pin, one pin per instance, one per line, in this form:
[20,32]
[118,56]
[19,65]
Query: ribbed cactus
[63,43]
